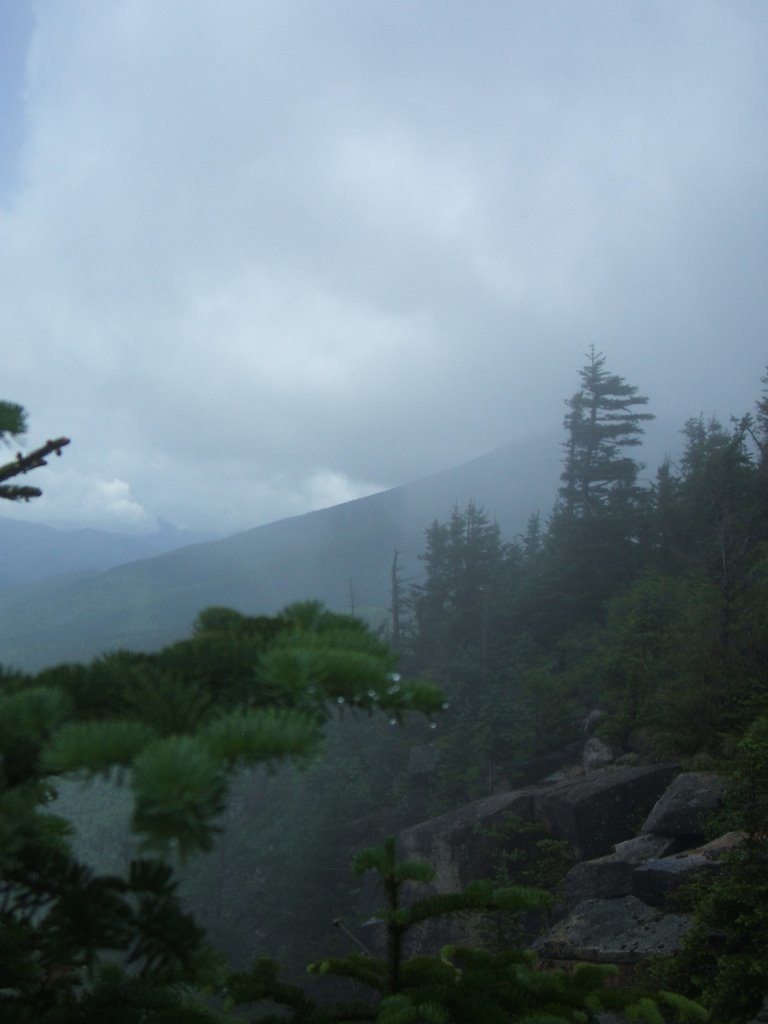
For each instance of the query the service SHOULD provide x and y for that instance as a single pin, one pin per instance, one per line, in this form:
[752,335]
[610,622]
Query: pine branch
[35,459]
[19,493]
[359,968]
[25,463]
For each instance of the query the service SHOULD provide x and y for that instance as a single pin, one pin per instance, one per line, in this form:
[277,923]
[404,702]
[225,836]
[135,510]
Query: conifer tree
[592,544]
[759,426]
[604,418]
[463,564]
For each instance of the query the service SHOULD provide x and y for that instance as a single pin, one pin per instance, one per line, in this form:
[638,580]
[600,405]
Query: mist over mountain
[339,555]
[30,551]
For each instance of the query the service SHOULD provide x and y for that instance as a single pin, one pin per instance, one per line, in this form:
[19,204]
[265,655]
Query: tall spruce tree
[592,542]
[603,419]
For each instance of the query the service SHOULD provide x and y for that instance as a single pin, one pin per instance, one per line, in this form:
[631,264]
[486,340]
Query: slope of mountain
[337,555]
[31,552]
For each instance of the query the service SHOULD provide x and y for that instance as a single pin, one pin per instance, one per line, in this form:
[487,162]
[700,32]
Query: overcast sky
[261,256]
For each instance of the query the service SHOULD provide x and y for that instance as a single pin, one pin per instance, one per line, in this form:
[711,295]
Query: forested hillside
[643,597]
[339,555]
[31,552]
[646,600]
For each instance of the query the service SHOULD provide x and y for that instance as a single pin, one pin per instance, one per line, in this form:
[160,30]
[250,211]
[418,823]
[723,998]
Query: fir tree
[604,418]
[593,544]
[463,567]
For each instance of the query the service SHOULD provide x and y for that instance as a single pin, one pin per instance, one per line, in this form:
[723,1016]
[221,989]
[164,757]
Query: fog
[258,258]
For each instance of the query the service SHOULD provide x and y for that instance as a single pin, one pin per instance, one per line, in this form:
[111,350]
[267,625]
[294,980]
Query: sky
[262,256]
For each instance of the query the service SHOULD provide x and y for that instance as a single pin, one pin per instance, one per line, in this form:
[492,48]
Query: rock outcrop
[460,845]
[684,808]
[595,811]
[617,905]
[596,754]
[637,882]
[611,876]
[620,931]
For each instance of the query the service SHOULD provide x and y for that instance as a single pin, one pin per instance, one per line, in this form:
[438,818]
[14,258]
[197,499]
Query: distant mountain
[338,555]
[31,552]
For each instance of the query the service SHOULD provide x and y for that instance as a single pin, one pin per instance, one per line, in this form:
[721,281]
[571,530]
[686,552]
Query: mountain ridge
[339,555]
[35,551]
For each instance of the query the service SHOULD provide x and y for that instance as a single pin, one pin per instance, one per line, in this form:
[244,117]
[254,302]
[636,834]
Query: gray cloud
[262,256]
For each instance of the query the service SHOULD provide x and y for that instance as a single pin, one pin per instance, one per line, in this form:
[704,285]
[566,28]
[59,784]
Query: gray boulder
[717,848]
[596,754]
[622,931]
[611,877]
[657,881]
[458,845]
[683,809]
[461,846]
[645,847]
[599,809]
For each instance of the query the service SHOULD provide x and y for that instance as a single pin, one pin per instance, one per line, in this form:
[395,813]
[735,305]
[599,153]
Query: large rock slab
[611,877]
[463,845]
[658,881]
[595,811]
[460,845]
[684,807]
[623,931]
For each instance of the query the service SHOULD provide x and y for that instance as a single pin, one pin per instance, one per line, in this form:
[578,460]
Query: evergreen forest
[175,824]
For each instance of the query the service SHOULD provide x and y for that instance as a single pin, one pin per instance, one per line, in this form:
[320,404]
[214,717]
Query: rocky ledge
[636,832]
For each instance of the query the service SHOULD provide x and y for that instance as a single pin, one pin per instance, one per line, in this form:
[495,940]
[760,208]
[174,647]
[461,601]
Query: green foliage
[649,602]
[686,1010]
[177,728]
[13,421]
[463,564]
[529,855]
[458,984]
[179,789]
[724,959]
[262,735]
[96,747]
[749,797]
[659,663]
